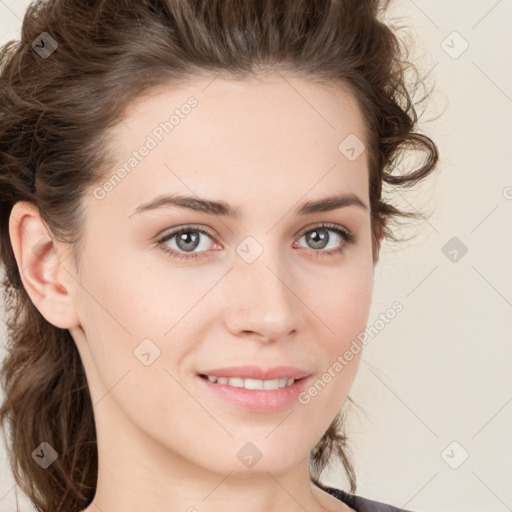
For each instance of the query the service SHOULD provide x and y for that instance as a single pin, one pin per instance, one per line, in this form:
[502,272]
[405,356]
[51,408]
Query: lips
[256,372]
[266,399]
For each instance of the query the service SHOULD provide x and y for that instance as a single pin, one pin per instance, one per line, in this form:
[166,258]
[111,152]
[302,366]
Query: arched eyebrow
[223,209]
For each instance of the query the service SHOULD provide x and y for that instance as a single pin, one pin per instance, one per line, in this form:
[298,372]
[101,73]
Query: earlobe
[41,266]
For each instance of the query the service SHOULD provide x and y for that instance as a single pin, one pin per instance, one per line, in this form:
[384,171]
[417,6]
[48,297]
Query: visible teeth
[252,383]
[236,382]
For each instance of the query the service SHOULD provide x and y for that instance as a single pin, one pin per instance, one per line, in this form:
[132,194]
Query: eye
[318,238]
[188,239]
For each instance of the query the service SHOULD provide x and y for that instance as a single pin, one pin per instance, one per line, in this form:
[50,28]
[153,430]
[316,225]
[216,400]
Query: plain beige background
[435,382]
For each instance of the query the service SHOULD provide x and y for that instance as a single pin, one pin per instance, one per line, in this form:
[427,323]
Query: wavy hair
[55,109]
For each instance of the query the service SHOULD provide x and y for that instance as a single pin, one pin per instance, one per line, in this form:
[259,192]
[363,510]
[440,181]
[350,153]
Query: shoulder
[360,504]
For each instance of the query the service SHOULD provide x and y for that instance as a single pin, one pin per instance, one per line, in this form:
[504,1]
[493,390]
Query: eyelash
[348,237]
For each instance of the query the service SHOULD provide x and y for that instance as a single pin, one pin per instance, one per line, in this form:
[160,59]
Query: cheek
[129,296]
[343,308]
[343,300]
[132,308]
[125,317]
[116,312]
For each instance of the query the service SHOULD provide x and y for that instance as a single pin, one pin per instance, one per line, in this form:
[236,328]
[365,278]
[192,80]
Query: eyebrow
[221,208]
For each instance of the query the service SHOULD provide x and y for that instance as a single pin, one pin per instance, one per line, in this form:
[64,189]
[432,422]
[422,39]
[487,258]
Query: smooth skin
[264,145]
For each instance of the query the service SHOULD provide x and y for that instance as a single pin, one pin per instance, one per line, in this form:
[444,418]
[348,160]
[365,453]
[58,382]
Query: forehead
[268,96]
[216,136]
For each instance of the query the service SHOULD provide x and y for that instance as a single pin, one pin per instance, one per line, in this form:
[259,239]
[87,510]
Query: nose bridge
[263,298]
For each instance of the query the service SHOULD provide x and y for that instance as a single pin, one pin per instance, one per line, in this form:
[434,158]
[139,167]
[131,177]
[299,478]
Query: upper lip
[256,372]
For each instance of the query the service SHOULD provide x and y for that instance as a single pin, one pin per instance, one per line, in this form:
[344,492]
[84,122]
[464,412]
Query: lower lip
[259,400]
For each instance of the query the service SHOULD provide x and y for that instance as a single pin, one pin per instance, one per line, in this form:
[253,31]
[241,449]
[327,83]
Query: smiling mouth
[252,384]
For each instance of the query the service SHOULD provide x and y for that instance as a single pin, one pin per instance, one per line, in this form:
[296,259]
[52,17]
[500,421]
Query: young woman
[191,212]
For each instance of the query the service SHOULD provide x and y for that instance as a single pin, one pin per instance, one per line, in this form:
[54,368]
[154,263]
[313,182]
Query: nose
[262,303]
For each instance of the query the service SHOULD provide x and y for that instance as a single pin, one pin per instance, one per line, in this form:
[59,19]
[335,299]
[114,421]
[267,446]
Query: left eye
[319,237]
[188,239]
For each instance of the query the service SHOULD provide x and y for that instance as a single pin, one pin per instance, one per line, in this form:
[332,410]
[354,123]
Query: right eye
[187,238]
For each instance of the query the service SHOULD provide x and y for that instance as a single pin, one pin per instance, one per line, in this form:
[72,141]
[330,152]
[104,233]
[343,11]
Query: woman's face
[265,288]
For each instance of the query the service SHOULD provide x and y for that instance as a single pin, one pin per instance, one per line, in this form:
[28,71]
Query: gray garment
[361,504]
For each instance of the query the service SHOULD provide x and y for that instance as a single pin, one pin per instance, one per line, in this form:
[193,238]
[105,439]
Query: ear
[45,275]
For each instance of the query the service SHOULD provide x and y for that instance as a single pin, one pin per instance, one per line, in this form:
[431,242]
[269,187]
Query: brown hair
[54,110]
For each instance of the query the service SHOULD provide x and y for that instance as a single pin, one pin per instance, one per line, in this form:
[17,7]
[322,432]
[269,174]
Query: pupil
[319,238]
[185,237]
